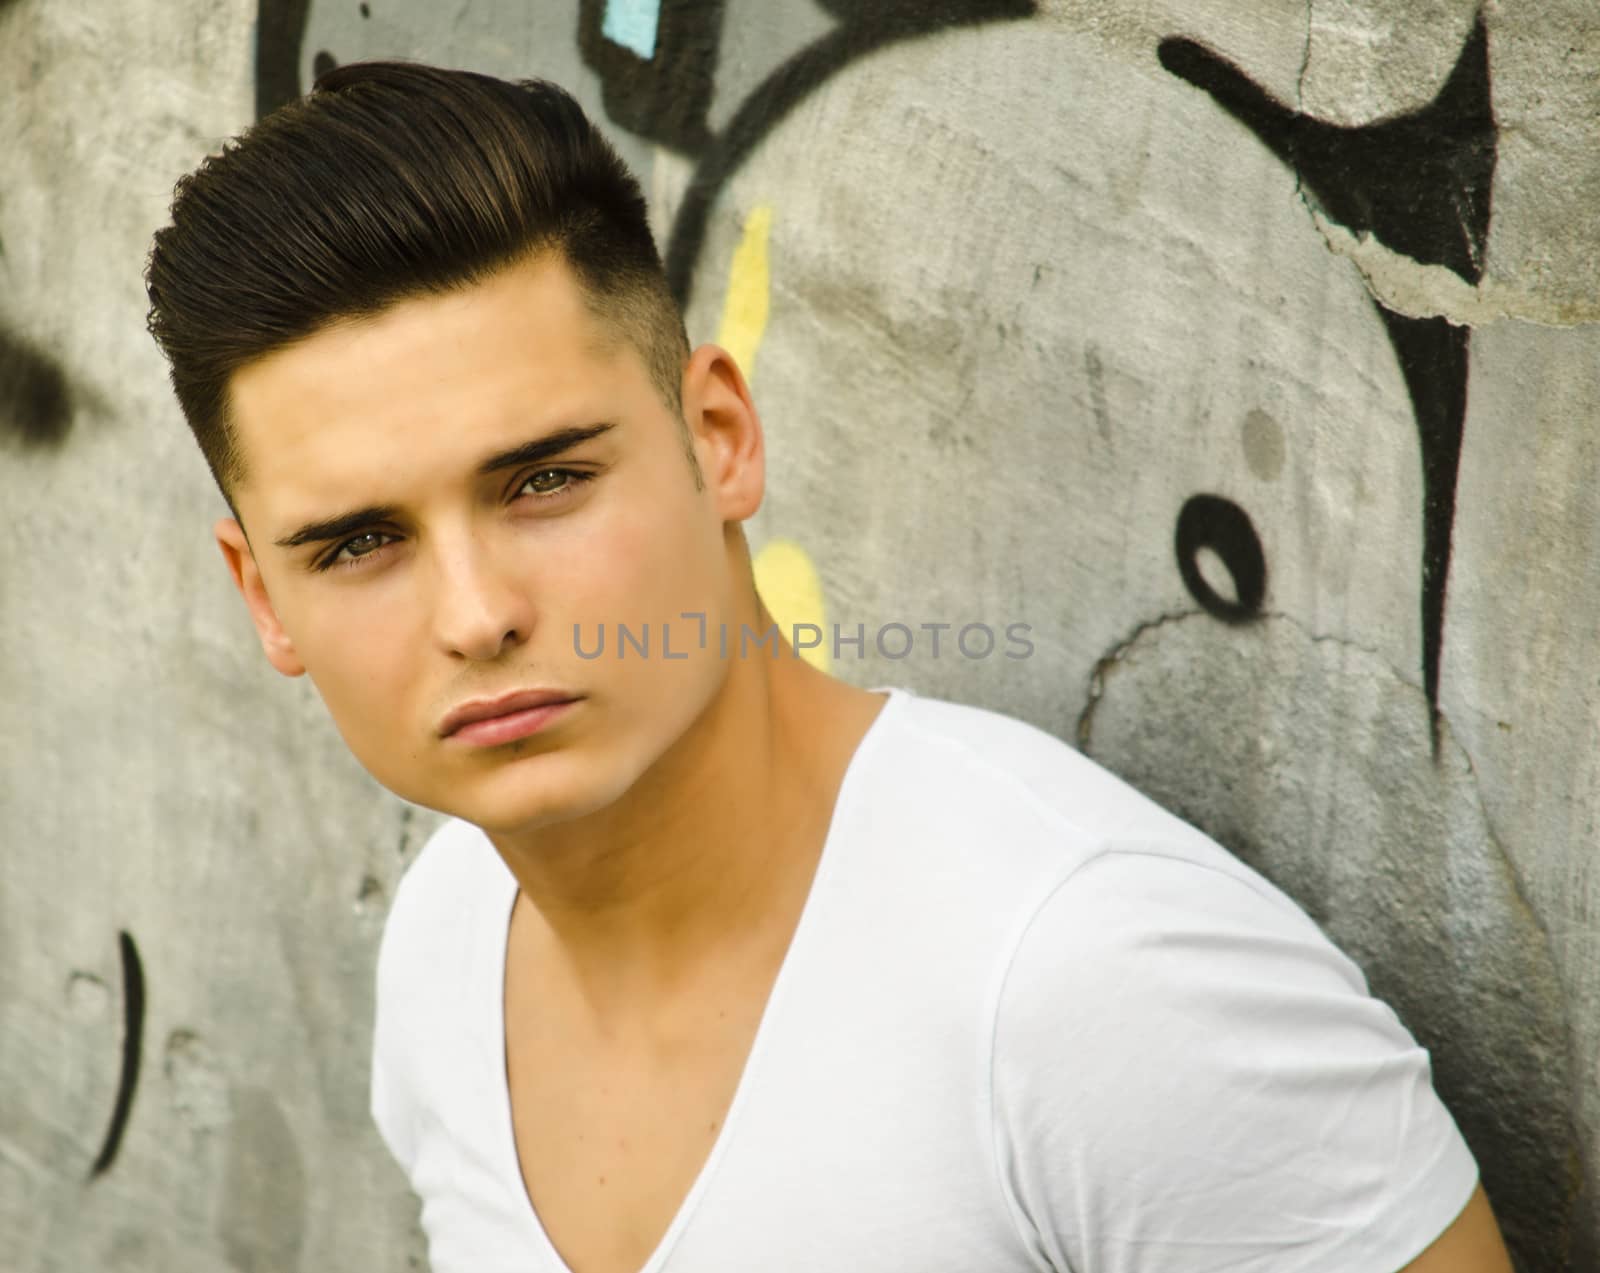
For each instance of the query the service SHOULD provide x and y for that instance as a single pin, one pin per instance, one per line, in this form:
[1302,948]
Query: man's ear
[726,432]
[247,578]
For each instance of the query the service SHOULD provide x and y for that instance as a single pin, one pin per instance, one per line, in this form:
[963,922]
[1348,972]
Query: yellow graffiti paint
[744,312]
[789,584]
[786,578]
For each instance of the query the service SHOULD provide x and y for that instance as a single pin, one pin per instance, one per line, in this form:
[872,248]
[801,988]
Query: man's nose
[482,606]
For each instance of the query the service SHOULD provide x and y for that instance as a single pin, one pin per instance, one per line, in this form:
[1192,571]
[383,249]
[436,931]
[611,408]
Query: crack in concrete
[1417,290]
[1096,690]
[1519,887]
[1300,106]
[1305,65]
[1096,685]
[1318,638]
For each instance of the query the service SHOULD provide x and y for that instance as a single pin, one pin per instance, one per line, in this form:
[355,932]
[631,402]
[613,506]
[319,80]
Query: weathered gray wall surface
[1244,349]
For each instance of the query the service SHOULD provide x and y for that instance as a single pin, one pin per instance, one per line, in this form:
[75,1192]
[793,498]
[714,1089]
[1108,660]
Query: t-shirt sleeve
[1189,1076]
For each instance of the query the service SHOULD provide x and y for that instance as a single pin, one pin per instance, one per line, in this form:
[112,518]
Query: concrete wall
[1243,349]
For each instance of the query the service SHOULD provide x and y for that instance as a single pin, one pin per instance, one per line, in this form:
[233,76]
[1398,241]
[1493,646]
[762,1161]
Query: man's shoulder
[1132,858]
[982,817]
[959,752]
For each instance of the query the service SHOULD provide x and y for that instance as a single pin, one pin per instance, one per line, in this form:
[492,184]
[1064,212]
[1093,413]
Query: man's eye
[363,545]
[551,483]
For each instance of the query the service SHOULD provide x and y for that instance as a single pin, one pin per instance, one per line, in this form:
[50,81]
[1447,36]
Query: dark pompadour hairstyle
[391,180]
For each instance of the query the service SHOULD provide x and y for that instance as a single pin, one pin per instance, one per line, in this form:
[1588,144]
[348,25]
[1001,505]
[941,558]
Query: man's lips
[484,709]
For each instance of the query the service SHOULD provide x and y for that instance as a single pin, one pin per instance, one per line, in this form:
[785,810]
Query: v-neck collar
[508,1167]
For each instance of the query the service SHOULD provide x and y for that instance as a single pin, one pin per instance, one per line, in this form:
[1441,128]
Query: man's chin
[523,820]
[511,805]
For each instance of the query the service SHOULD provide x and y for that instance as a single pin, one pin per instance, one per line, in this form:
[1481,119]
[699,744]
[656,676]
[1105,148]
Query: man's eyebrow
[345,524]
[547,447]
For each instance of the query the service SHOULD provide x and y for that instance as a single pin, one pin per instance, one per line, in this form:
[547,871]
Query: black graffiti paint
[863,29]
[1210,521]
[1433,359]
[35,396]
[132,1051]
[35,400]
[280,37]
[1421,185]
[667,95]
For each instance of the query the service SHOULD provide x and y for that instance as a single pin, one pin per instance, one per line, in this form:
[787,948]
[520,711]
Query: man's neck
[710,855]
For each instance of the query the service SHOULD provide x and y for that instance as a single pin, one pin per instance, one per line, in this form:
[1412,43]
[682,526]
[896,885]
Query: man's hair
[392,180]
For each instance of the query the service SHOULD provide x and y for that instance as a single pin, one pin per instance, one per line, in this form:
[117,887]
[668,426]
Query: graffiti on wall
[863,29]
[280,32]
[657,63]
[133,995]
[1421,185]
[35,400]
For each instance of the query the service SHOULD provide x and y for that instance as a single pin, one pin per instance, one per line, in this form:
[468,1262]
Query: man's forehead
[519,350]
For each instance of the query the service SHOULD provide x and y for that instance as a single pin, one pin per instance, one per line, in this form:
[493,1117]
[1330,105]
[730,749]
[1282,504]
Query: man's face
[443,500]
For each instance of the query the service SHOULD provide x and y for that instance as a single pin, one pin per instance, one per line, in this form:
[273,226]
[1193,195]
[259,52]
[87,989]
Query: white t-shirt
[1028,1021]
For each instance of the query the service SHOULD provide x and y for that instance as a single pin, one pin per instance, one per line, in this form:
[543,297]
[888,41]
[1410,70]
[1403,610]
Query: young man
[721,964]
